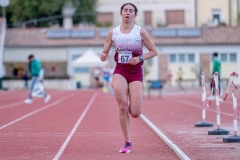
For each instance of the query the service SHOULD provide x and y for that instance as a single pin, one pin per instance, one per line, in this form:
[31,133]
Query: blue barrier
[154,85]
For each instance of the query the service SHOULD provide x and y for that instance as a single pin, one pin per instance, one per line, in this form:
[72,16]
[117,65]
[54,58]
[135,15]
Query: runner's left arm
[149,44]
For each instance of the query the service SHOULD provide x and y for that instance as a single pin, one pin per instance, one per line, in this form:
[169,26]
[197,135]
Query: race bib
[124,56]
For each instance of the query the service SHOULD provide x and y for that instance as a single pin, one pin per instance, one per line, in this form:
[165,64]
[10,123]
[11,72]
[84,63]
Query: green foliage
[25,10]
[106,24]
[85,12]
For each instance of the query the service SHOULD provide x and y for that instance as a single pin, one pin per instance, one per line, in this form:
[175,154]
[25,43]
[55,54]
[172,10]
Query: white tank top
[127,42]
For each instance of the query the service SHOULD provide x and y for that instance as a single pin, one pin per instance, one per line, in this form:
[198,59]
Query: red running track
[176,115]
[73,125]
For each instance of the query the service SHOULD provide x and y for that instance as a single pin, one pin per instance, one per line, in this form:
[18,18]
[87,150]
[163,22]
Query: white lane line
[34,112]
[11,105]
[160,134]
[14,104]
[61,150]
[10,97]
[200,107]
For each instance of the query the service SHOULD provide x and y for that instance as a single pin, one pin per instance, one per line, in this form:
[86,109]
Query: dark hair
[30,56]
[135,8]
[215,54]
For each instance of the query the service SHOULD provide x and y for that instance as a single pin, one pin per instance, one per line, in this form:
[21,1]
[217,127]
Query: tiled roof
[209,36]
[37,37]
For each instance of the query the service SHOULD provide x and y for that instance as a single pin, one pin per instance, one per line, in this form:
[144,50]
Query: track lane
[100,137]
[177,121]
[14,110]
[40,135]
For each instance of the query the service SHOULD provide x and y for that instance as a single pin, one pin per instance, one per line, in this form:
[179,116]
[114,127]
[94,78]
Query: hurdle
[234,137]
[218,130]
[203,123]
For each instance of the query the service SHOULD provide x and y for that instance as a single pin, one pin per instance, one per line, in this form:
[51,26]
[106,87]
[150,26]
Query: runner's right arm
[107,46]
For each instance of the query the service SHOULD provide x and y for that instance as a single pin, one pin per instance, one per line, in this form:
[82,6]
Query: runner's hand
[134,61]
[103,56]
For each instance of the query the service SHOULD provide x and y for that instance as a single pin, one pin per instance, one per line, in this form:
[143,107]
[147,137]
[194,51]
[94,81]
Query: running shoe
[28,101]
[127,148]
[47,98]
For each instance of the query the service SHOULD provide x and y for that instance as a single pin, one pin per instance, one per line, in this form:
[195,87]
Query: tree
[40,13]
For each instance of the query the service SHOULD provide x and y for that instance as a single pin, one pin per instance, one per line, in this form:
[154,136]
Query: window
[191,57]
[182,58]
[216,16]
[175,17]
[104,19]
[223,57]
[228,57]
[148,18]
[233,57]
[81,70]
[173,58]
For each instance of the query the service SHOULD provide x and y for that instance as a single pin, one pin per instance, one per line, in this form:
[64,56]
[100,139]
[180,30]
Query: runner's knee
[135,114]
[123,110]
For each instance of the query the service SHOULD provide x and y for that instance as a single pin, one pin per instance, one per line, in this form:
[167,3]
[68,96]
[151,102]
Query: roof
[39,37]
[89,59]
[209,36]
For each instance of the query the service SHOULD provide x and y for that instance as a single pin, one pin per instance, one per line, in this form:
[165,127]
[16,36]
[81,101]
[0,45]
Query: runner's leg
[136,98]
[120,87]
[34,79]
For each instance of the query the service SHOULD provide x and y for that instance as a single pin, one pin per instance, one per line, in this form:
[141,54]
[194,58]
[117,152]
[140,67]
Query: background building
[217,12]
[152,13]
[170,23]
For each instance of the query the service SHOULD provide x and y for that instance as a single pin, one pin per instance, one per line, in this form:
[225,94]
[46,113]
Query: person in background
[35,69]
[128,39]
[2,74]
[169,77]
[106,74]
[25,79]
[180,77]
[216,68]
[96,77]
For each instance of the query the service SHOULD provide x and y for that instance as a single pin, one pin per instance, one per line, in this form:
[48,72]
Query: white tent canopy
[89,59]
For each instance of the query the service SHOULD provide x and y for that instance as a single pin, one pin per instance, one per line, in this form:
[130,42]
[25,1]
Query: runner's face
[128,13]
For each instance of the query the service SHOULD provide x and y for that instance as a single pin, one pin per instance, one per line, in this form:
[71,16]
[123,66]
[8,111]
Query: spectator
[96,77]
[216,68]
[25,79]
[169,77]
[106,78]
[35,69]
[180,77]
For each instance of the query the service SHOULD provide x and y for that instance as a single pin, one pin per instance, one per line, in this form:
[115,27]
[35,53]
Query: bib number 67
[124,56]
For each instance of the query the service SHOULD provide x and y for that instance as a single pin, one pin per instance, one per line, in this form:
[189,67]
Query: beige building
[152,13]
[173,13]
[215,12]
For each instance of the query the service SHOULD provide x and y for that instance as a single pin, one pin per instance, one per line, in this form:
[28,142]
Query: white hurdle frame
[235,111]
[203,97]
[235,137]
[215,76]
